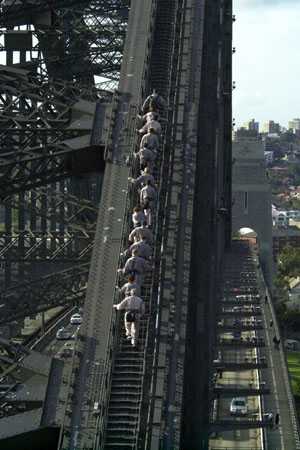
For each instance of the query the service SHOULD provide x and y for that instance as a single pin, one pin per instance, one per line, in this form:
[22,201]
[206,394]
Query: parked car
[76,319]
[239,406]
[63,334]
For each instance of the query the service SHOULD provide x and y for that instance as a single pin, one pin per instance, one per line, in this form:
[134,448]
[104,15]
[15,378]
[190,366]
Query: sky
[266,65]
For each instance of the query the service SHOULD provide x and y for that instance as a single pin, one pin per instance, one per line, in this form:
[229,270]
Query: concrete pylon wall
[251,195]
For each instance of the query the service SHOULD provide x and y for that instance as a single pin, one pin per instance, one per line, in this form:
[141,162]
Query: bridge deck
[267,391]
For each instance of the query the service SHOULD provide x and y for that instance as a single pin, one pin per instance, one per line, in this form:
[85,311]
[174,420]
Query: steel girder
[36,167]
[75,39]
[32,253]
[29,246]
[64,44]
[48,102]
[37,112]
[33,296]
[37,129]
[75,213]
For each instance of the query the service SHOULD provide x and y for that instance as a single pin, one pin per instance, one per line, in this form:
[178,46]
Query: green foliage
[289,263]
[293,360]
[288,318]
[295,203]
[291,320]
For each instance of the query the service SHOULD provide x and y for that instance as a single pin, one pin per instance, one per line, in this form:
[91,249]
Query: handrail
[284,368]
[113,337]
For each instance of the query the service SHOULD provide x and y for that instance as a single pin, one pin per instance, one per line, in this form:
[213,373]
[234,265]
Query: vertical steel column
[203,276]
[227,86]
[8,210]
[21,197]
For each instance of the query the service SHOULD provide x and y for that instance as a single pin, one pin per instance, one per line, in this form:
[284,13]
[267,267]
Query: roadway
[237,275]
[22,409]
[55,347]
[262,366]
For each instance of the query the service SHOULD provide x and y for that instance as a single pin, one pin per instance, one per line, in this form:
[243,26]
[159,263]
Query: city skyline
[265,66]
[252,123]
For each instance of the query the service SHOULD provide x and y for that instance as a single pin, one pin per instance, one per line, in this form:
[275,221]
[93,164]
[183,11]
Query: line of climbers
[139,253]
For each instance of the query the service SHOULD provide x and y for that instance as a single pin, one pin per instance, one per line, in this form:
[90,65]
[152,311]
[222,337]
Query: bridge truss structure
[183,50]
[60,62]
[73,79]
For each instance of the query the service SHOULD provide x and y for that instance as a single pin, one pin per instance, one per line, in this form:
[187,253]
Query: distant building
[269,157]
[271,127]
[251,125]
[294,125]
[245,133]
[280,219]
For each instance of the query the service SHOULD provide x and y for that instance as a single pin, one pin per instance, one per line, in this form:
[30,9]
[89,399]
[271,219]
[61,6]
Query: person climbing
[138,217]
[154,102]
[143,179]
[148,195]
[134,309]
[151,139]
[136,266]
[128,286]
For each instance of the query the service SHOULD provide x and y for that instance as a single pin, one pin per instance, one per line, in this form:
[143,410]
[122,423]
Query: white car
[239,406]
[63,334]
[76,319]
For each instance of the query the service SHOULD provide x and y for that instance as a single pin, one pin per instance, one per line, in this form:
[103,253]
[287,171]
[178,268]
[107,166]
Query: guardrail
[293,409]
[114,335]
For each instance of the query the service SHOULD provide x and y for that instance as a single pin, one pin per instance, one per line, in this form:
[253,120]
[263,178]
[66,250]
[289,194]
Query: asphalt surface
[55,347]
[274,377]
[238,274]
[238,439]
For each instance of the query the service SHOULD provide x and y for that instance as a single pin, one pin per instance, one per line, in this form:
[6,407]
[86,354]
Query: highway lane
[238,439]
[42,342]
[31,388]
[56,345]
[238,275]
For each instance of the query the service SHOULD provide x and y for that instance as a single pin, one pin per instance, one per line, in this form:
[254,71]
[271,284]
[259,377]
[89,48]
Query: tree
[289,262]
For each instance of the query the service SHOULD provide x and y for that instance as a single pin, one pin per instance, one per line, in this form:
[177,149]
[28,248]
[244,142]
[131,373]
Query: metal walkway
[93,356]
[127,409]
